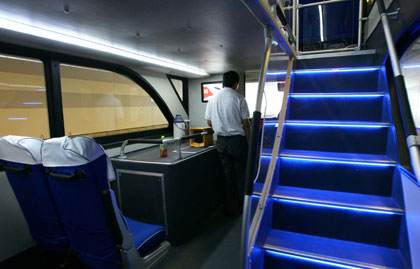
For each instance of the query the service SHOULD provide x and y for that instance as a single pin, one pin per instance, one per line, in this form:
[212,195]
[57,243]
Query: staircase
[337,201]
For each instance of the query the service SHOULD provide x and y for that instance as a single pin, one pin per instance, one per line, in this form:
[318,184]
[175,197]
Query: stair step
[283,246]
[351,80]
[354,201]
[332,219]
[338,107]
[347,138]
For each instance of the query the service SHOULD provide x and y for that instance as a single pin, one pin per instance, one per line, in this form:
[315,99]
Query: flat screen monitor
[208,89]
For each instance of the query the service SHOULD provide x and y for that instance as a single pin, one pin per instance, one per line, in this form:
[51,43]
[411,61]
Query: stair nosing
[343,205]
[388,162]
[336,261]
[350,160]
[339,123]
[348,206]
[336,94]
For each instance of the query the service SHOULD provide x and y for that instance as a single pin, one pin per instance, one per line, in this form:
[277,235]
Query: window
[273,94]
[23,102]
[179,87]
[410,63]
[100,103]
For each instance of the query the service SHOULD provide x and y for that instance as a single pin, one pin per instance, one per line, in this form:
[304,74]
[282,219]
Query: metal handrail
[296,7]
[413,140]
[278,25]
[317,4]
[177,140]
[258,215]
[252,150]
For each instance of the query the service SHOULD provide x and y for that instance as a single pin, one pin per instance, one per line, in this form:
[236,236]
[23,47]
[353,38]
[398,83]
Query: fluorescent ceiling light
[321,23]
[32,103]
[98,46]
[411,66]
[18,118]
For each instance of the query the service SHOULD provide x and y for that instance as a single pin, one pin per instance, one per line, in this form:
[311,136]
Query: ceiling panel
[214,35]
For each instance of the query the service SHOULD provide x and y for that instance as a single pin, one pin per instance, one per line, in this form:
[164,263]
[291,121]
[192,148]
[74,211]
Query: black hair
[230,79]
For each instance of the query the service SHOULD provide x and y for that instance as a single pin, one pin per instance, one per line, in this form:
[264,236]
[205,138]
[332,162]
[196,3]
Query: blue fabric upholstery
[80,204]
[146,236]
[36,201]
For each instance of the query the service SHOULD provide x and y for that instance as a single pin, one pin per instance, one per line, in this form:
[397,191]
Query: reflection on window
[23,102]
[99,103]
[410,63]
[272,100]
[178,85]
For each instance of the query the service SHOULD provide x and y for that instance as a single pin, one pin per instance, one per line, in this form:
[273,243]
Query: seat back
[20,157]
[79,171]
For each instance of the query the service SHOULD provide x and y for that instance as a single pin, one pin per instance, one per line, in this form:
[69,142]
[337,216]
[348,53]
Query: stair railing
[296,7]
[267,188]
[271,15]
[275,24]
[413,140]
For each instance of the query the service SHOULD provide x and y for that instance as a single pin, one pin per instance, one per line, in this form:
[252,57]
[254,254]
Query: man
[227,113]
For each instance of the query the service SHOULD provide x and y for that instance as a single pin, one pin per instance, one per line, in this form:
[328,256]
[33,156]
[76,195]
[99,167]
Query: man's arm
[247,129]
[209,123]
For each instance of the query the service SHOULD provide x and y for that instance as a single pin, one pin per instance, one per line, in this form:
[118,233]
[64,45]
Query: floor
[217,246]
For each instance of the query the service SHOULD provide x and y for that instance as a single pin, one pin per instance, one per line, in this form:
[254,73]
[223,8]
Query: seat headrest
[21,149]
[68,152]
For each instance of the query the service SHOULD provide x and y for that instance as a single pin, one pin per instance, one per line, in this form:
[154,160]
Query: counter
[180,194]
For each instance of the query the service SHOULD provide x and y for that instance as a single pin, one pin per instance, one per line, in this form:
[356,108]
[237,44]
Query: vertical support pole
[178,148]
[297,26]
[294,21]
[410,130]
[250,170]
[359,37]
[54,98]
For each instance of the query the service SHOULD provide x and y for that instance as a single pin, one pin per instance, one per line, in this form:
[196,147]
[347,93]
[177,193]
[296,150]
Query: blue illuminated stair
[336,201]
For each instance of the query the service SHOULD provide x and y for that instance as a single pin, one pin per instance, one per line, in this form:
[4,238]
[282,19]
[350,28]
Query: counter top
[152,154]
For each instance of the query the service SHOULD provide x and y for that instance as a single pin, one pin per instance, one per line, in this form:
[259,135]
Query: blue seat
[79,174]
[20,157]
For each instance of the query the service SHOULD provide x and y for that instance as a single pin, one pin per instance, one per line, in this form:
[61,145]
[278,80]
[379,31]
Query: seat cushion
[146,236]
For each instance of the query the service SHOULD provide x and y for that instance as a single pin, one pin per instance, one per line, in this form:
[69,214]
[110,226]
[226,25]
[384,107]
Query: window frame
[52,61]
[184,100]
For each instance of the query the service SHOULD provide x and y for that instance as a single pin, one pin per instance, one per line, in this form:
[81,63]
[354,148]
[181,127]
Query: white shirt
[226,110]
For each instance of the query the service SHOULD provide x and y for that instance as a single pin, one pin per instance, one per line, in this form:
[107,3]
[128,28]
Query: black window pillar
[54,98]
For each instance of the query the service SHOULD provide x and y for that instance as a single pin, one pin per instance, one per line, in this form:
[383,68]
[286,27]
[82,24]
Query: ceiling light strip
[73,40]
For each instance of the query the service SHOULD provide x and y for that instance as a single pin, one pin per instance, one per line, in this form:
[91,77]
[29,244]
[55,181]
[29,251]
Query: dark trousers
[233,152]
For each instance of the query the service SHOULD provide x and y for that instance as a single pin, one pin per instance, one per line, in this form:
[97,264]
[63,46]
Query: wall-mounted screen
[208,89]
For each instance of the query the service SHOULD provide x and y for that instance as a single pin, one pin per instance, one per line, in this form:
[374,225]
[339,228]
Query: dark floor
[217,246]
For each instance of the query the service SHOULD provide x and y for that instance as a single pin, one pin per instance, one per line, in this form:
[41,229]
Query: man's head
[231,80]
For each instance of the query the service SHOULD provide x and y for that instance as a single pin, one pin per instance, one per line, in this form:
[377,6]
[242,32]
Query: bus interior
[107,160]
